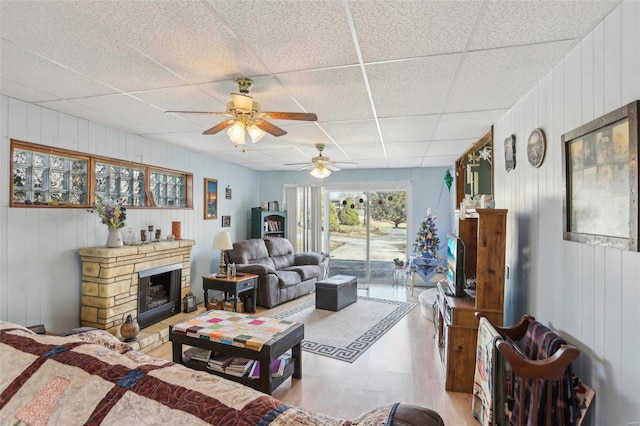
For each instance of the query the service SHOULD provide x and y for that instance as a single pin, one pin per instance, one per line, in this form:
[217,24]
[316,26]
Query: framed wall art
[210,198]
[226,221]
[536,147]
[510,153]
[600,203]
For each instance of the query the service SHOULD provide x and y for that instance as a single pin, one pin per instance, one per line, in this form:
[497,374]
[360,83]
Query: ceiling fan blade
[304,116]
[200,112]
[270,128]
[218,127]
[308,166]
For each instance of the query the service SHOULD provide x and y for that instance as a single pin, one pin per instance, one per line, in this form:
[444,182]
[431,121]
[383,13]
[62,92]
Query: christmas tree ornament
[448,180]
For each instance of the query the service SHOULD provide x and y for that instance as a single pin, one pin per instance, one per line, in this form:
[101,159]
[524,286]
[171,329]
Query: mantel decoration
[427,241]
[113,214]
[129,329]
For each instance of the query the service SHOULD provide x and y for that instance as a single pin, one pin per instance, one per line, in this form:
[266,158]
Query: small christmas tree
[427,240]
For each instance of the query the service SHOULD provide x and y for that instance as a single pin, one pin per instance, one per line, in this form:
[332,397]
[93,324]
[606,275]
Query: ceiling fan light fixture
[236,133]
[255,132]
[320,172]
[242,102]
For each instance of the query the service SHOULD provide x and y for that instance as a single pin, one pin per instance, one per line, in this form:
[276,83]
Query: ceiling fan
[321,166]
[247,117]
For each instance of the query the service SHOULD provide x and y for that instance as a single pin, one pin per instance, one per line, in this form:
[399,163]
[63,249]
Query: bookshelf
[265,223]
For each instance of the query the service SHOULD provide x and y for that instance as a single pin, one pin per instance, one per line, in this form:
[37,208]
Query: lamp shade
[236,133]
[222,241]
[255,132]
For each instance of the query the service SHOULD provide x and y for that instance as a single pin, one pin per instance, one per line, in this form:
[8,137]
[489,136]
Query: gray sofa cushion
[306,272]
[281,252]
[253,251]
[288,278]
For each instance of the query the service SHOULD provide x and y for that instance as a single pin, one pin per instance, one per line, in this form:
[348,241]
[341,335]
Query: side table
[231,287]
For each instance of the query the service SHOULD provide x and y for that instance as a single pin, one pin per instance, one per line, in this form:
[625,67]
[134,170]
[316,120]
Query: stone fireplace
[112,278]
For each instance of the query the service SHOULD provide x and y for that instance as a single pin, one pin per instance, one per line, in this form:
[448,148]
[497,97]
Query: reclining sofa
[283,274]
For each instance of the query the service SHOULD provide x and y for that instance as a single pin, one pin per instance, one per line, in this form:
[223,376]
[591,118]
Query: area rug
[346,334]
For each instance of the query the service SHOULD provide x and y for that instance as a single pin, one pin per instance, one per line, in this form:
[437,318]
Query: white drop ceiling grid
[394,83]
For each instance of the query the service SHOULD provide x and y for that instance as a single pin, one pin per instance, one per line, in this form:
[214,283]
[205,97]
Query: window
[42,177]
[52,177]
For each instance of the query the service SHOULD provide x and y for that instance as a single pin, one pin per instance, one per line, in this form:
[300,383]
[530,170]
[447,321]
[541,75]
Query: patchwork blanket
[231,328]
[93,378]
[488,403]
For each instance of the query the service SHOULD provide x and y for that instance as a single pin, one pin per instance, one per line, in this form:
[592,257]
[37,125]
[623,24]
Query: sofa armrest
[307,258]
[407,414]
[255,268]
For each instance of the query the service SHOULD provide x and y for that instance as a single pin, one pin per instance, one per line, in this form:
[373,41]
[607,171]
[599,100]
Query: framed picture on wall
[226,221]
[600,203]
[210,198]
[510,153]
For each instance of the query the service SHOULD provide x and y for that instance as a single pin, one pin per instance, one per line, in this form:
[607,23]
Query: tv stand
[456,322]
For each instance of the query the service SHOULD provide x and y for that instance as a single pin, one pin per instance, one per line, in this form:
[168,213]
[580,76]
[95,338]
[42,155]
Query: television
[455,266]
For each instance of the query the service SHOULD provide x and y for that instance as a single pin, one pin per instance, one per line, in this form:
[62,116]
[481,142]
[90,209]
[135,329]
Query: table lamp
[222,242]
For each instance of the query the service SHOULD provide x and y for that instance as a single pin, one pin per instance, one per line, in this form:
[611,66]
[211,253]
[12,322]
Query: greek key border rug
[348,333]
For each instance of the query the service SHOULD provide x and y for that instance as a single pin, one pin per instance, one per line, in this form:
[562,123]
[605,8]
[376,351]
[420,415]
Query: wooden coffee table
[290,339]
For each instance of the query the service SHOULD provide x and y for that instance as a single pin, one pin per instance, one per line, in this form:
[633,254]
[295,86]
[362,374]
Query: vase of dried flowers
[113,214]
[115,238]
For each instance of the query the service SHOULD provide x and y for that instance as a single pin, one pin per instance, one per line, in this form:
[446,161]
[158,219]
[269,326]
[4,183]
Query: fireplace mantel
[110,279]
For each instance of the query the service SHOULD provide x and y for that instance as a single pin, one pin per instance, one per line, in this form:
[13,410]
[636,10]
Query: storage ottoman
[334,293]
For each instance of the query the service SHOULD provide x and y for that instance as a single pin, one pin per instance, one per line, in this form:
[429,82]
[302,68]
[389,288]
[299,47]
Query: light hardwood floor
[403,366]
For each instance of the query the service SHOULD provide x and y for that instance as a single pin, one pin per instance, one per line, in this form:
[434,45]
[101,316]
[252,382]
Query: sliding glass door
[364,231]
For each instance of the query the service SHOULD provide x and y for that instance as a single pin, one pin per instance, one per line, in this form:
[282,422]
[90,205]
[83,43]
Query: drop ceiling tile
[405,163]
[496,79]
[45,76]
[412,87]
[406,150]
[60,32]
[291,35]
[187,37]
[364,152]
[443,161]
[374,164]
[408,129]
[508,23]
[352,132]
[448,147]
[466,125]
[400,29]
[337,94]
[22,92]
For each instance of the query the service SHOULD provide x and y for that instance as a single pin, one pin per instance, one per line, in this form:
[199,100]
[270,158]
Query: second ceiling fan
[248,117]
[321,166]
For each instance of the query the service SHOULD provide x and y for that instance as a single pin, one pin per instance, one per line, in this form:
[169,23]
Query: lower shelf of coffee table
[245,380]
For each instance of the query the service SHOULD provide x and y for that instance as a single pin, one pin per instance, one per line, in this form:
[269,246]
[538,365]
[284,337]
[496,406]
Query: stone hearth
[110,279]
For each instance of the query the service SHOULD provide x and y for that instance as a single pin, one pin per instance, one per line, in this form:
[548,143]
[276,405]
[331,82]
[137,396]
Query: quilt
[92,378]
[231,328]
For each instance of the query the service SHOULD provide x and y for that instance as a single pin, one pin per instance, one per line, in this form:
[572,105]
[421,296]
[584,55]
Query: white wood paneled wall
[590,294]
[40,269]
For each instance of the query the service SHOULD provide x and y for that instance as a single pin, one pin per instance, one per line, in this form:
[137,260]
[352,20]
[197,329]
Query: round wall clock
[536,147]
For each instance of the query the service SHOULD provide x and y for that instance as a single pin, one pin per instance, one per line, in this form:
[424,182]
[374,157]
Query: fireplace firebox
[158,293]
